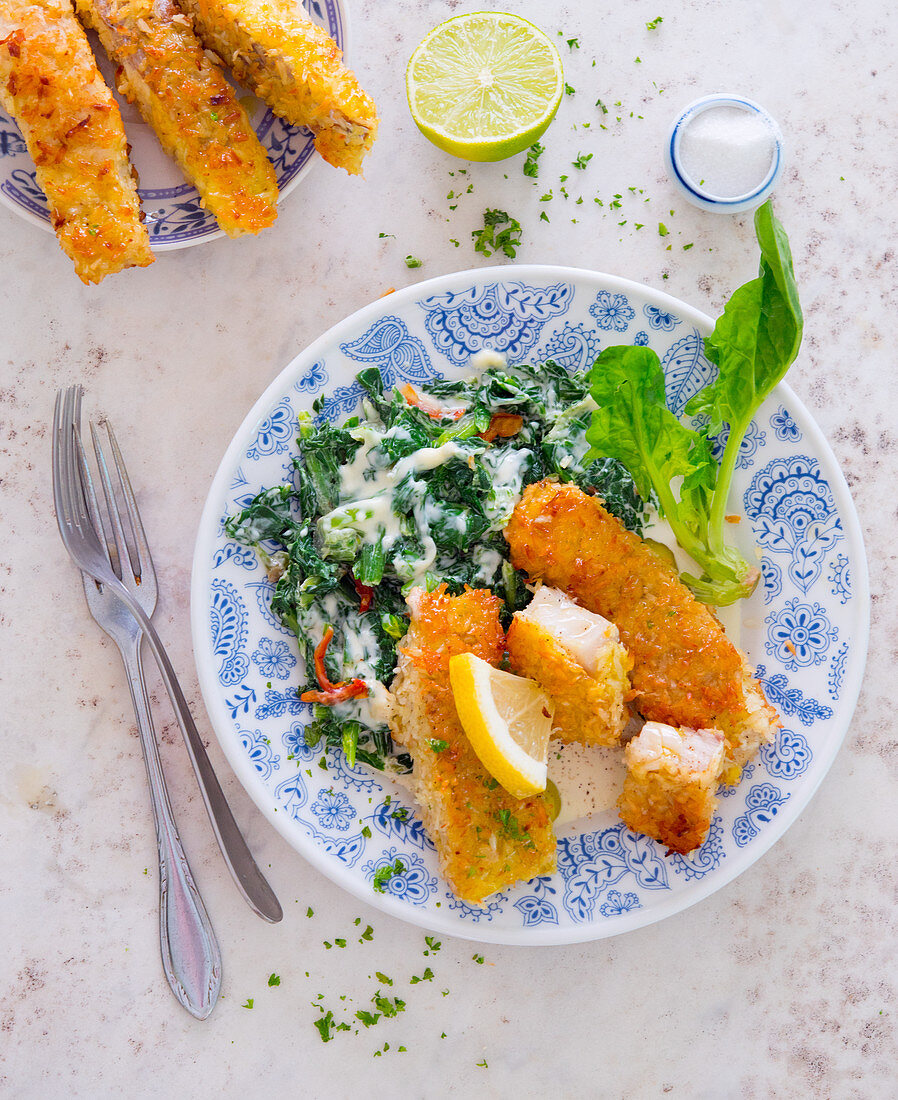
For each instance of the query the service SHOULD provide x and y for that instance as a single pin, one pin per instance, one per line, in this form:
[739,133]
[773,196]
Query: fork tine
[112,509]
[58,501]
[145,568]
[77,472]
[70,508]
[93,505]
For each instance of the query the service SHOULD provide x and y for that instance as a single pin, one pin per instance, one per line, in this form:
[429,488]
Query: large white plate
[175,217]
[805,629]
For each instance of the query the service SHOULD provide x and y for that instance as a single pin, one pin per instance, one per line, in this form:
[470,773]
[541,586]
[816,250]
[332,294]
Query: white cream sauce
[589,779]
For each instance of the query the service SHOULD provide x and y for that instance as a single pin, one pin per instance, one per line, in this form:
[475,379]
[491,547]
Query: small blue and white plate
[805,628]
[174,216]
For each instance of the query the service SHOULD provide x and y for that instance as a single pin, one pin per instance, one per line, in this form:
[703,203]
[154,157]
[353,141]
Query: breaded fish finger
[50,84]
[671,779]
[576,658]
[486,840]
[296,68]
[686,671]
[193,110]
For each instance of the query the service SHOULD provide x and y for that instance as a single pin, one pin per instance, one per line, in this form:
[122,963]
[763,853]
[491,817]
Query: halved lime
[484,86]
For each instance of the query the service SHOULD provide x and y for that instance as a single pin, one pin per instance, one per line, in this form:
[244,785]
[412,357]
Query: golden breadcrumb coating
[686,672]
[588,708]
[193,110]
[486,840]
[50,84]
[296,68]
[671,778]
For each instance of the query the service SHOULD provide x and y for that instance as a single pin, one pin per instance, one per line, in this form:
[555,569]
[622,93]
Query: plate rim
[342,11]
[691,894]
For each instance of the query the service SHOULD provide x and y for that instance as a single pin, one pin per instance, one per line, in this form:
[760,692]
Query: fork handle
[191,957]
[239,859]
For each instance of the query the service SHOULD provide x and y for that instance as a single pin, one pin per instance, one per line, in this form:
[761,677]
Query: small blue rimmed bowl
[694,185]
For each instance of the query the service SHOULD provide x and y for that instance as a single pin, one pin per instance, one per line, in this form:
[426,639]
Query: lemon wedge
[484,86]
[508,720]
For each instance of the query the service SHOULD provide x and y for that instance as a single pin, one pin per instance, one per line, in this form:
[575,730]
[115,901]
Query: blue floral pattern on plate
[504,317]
[686,370]
[808,641]
[388,345]
[612,312]
[793,511]
[574,346]
[799,635]
[175,215]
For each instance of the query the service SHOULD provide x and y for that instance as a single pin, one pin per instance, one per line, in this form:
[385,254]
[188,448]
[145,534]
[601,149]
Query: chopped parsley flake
[411,261]
[484,1064]
[478,959]
[274,979]
[384,874]
[433,944]
[310,912]
[248,1003]
[393,235]
[582,160]
[382,978]
[568,90]
[531,167]
[326,1023]
[388,1006]
[574,43]
[368,934]
[662,229]
[654,23]
[438,746]
[500,233]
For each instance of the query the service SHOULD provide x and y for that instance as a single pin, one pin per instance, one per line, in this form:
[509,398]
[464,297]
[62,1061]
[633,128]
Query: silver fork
[87,547]
[191,957]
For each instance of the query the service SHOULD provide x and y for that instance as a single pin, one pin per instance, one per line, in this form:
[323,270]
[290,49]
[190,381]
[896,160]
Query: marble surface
[781,984]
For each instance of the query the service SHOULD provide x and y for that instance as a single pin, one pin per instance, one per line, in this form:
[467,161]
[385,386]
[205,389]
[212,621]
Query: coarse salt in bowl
[725,153]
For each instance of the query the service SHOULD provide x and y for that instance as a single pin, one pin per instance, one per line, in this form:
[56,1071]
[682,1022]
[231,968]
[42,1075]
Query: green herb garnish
[531,166]
[500,233]
[384,874]
[411,261]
